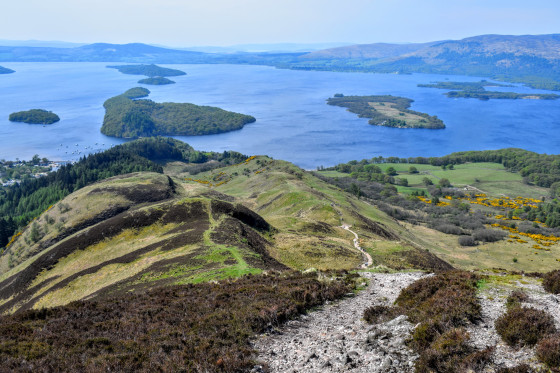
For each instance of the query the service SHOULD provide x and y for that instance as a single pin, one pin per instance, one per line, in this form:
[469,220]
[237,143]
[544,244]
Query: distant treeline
[128,118]
[540,169]
[487,95]
[21,203]
[463,86]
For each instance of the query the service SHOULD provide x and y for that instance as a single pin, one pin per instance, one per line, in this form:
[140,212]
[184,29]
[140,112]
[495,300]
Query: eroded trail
[369,261]
[336,339]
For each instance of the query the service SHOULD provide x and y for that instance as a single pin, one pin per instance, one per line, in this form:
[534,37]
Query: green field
[490,178]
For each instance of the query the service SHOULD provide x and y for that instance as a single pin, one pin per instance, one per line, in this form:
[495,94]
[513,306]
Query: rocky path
[369,261]
[336,339]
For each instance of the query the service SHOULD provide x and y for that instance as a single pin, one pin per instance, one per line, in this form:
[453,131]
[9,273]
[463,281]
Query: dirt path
[336,339]
[369,261]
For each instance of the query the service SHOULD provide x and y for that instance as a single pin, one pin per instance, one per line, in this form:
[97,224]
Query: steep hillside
[145,230]
[131,232]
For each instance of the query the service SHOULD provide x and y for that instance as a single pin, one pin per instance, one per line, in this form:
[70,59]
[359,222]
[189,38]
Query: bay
[293,121]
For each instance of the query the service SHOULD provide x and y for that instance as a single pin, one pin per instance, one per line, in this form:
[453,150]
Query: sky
[183,23]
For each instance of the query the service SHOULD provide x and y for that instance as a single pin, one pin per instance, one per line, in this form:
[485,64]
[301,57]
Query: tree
[35,234]
[355,190]
[402,181]
[427,181]
[444,183]
[391,171]
[412,170]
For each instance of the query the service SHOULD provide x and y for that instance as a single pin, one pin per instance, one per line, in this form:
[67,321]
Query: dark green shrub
[449,229]
[551,282]
[548,351]
[524,325]
[467,241]
[376,314]
[488,235]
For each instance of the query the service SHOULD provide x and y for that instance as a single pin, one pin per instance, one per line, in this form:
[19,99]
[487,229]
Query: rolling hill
[145,230]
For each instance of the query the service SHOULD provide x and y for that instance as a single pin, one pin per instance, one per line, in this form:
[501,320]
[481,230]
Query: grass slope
[132,233]
[308,214]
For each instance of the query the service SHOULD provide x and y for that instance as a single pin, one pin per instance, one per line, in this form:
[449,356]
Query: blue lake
[293,121]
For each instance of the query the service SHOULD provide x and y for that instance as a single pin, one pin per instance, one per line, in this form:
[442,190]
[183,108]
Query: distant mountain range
[376,50]
[529,59]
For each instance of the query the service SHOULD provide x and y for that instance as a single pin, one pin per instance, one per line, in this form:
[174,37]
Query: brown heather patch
[443,304]
[449,297]
[191,328]
[548,351]
[377,314]
[551,282]
[522,368]
[524,326]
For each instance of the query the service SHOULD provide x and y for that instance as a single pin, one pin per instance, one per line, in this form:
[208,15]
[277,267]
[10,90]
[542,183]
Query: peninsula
[34,116]
[477,90]
[127,116]
[388,111]
[5,70]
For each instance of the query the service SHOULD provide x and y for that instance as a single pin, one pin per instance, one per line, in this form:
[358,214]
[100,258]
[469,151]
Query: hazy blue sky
[227,22]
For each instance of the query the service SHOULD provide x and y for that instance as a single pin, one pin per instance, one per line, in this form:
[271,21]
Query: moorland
[150,222]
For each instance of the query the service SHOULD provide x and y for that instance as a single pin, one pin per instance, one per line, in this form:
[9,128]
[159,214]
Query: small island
[5,70]
[34,116]
[148,70]
[158,80]
[477,90]
[156,74]
[388,111]
[128,116]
